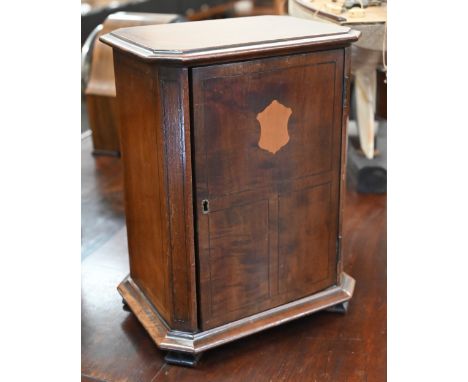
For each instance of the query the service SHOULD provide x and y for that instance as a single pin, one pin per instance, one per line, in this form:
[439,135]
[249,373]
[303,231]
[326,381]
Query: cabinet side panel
[143,162]
[175,106]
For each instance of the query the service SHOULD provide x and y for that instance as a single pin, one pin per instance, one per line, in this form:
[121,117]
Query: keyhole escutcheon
[205,206]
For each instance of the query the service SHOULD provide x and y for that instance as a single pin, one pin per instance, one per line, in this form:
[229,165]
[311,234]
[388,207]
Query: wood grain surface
[211,34]
[270,236]
[104,123]
[259,229]
[154,113]
[321,347]
[102,209]
[270,233]
[228,39]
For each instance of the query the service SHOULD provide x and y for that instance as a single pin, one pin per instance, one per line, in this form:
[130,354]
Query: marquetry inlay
[274,127]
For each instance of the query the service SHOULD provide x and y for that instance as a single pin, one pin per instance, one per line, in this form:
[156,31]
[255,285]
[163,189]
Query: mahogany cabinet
[233,136]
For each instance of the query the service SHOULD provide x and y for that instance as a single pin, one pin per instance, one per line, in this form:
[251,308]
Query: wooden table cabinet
[233,136]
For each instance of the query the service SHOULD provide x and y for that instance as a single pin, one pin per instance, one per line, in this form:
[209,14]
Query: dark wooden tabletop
[210,34]
[191,41]
[321,347]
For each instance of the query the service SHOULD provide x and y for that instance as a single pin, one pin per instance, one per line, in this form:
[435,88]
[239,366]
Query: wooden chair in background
[100,84]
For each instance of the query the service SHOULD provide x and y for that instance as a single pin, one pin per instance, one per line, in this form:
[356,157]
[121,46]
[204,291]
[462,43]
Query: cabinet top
[235,37]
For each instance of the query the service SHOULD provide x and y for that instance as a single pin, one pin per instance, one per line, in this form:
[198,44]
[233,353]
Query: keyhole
[205,206]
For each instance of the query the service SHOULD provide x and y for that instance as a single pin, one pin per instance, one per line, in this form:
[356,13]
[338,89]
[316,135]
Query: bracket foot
[341,308]
[108,153]
[182,359]
[125,306]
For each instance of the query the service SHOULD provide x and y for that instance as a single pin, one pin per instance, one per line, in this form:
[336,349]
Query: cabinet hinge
[338,252]
[346,87]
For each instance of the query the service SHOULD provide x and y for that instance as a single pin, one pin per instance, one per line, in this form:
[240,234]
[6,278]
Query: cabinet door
[267,136]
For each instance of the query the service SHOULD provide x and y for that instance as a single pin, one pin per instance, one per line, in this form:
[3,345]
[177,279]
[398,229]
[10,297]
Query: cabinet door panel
[267,137]
[304,262]
[238,257]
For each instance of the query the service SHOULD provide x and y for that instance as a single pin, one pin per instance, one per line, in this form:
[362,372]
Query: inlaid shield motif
[274,127]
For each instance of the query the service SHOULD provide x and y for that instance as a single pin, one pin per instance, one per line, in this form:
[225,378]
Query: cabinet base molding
[194,343]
